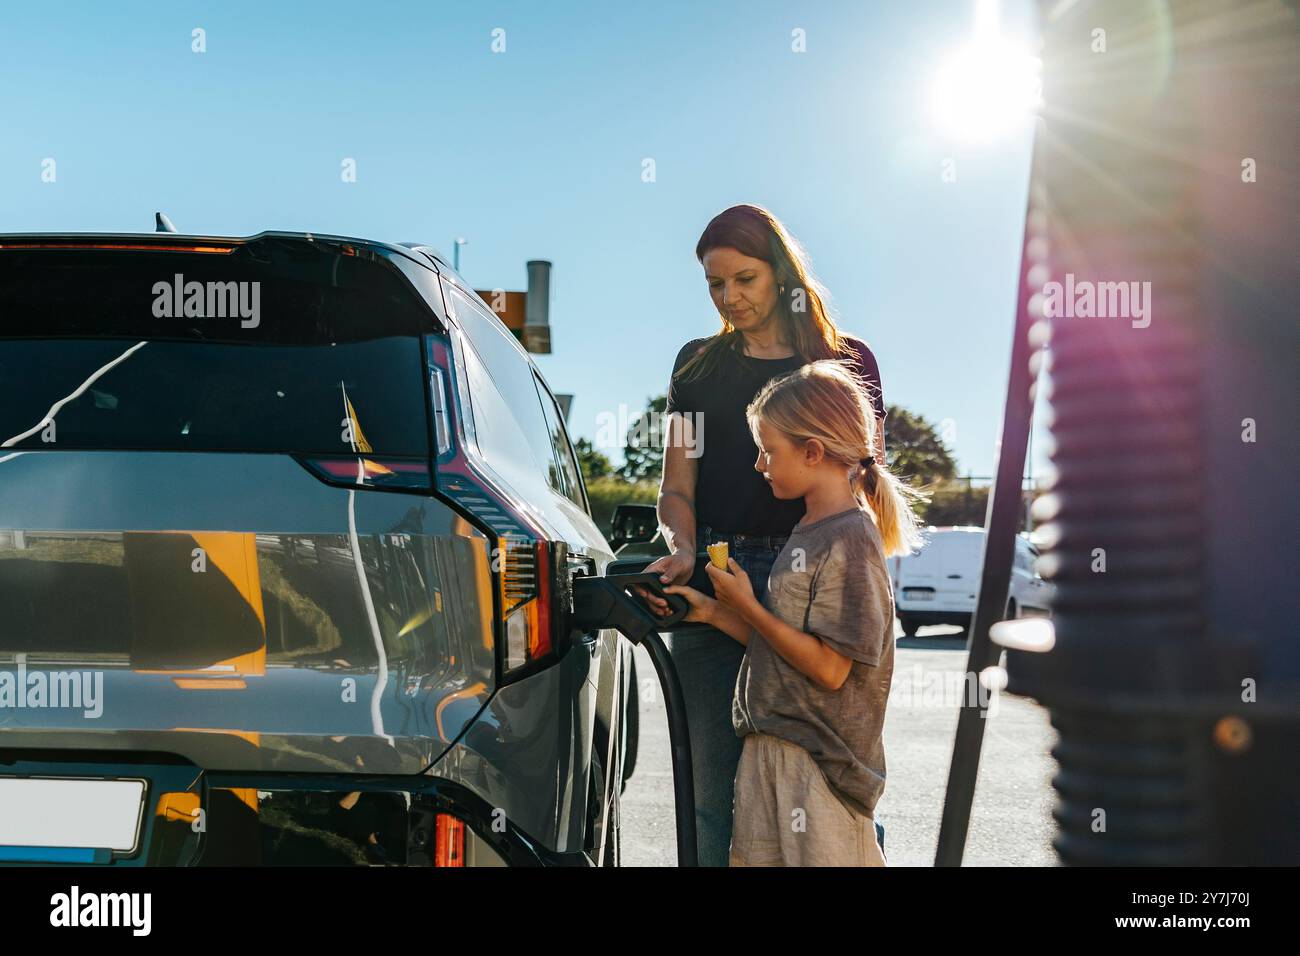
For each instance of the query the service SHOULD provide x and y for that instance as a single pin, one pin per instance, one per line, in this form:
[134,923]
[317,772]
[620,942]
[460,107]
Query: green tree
[914,450]
[956,503]
[643,455]
[593,463]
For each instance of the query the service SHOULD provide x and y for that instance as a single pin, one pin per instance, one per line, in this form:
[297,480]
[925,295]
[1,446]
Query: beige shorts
[785,813]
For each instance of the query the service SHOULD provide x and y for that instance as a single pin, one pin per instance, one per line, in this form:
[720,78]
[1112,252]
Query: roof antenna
[162,223]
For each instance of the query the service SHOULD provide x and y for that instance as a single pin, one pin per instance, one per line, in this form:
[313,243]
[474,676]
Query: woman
[774,320]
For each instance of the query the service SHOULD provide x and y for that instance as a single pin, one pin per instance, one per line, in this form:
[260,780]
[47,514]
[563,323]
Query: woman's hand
[703,607]
[732,587]
[673,569]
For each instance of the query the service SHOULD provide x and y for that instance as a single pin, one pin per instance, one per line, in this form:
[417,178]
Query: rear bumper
[927,618]
[209,818]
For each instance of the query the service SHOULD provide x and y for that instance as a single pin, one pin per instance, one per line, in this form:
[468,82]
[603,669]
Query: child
[819,650]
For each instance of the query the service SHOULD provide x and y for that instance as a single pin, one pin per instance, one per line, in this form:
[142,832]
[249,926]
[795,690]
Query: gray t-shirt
[830,581]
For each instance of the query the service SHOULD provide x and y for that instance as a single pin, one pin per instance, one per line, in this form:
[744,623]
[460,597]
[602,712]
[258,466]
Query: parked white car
[939,583]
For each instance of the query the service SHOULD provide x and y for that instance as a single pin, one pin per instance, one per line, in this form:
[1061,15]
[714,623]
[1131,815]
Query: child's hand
[702,606]
[731,587]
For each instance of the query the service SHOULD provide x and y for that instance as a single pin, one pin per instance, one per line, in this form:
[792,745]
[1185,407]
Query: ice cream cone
[718,555]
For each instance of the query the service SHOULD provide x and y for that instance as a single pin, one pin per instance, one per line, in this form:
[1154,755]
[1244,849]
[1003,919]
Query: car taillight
[356,471]
[449,841]
[529,569]
[528,592]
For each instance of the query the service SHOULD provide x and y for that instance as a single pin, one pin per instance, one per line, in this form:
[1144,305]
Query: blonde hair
[825,401]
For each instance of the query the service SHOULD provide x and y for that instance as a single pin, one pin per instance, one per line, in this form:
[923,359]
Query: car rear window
[276,347]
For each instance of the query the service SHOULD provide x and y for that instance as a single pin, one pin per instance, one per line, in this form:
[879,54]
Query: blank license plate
[62,812]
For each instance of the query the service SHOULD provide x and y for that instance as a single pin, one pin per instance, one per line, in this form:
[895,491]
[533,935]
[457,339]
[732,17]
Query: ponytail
[890,501]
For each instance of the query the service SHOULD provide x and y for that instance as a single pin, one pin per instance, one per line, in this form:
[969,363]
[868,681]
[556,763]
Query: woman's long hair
[824,400]
[802,310]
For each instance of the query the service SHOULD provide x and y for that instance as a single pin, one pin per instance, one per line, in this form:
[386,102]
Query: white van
[939,584]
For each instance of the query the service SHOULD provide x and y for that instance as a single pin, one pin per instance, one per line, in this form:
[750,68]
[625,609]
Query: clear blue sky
[537,153]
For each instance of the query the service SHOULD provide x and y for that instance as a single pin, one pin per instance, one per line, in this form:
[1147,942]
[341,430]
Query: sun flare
[987,87]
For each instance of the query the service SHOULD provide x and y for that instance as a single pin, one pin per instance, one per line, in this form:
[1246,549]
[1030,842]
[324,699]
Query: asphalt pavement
[1011,820]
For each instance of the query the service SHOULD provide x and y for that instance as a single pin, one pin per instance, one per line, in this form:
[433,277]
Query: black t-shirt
[730,496]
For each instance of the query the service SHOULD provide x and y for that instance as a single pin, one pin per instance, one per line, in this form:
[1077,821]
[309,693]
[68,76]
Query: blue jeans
[708,663]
